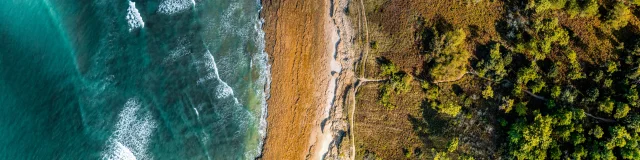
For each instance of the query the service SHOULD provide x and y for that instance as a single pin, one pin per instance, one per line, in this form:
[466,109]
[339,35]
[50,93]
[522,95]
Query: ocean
[132,79]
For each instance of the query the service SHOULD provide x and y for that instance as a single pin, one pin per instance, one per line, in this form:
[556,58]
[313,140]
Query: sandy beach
[295,41]
[311,68]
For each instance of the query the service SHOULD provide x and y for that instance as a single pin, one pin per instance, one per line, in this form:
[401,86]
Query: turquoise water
[138,79]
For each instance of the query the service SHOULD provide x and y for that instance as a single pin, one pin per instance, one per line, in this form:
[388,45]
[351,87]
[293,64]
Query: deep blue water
[131,79]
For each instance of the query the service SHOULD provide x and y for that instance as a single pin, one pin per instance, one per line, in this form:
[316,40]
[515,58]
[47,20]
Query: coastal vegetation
[546,79]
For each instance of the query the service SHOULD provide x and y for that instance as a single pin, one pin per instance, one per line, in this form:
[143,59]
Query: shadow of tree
[431,124]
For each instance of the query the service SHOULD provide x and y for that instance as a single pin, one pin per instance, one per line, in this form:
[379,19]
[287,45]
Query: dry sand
[312,69]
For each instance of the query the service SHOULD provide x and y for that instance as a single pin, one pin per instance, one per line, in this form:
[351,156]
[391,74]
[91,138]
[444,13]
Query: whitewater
[132,79]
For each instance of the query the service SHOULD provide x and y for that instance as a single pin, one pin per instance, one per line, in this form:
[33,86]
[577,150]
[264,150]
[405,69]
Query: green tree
[621,111]
[531,141]
[449,108]
[488,92]
[398,83]
[548,32]
[540,6]
[597,132]
[606,106]
[449,56]
[633,123]
[493,66]
[575,68]
[619,137]
[588,8]
[619,16]
[452,146]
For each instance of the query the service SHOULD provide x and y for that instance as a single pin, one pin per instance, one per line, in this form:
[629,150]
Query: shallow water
[156,79]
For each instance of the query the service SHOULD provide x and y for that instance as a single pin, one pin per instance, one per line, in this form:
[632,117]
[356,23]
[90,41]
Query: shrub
[449,108]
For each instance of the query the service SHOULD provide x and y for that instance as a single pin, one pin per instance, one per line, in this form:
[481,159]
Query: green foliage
[633,123]
[540,6]
[440,155]
[488,92]
[493,66]
[449,55]
[388,69]
[578,153]
[452,146]
[597,132]
[556,91]
[575,68]
[433,92]
[548,32]
[606,106]
[531,141]
[588,8]
[448,108]
[399,82]
[507,105]
[632,96]
[619,137]
[524,76]
[521,108]
[619,16]
[621,111]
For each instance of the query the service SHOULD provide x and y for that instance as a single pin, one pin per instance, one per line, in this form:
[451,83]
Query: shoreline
[312,63]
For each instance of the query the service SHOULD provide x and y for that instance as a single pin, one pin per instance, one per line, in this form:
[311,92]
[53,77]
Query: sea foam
[131,138]
[223,90]
[175,6]
[133,17]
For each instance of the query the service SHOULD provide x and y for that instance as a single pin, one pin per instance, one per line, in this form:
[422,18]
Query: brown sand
[295,40]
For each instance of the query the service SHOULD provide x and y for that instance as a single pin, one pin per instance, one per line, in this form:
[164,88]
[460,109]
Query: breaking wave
[175,6]
[133,17]
[133,130]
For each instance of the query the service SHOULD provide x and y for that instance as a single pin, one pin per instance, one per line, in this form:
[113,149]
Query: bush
[449,108]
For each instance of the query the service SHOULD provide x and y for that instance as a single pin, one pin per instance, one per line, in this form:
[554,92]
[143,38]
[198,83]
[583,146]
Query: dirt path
[360,81]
